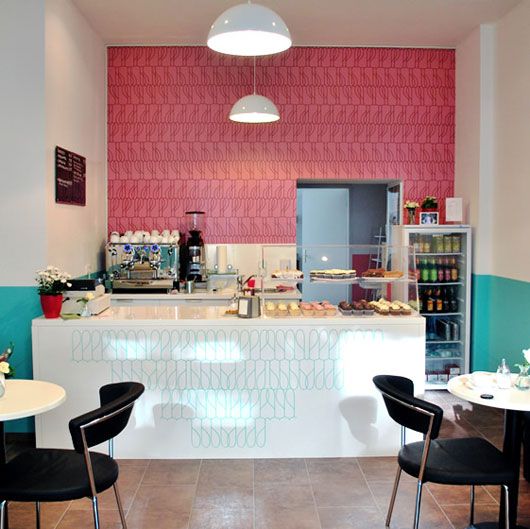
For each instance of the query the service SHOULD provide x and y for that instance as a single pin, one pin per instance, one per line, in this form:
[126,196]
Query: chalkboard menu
[70,177]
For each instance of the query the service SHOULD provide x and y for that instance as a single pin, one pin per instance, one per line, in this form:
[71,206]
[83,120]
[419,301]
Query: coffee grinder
[196,259]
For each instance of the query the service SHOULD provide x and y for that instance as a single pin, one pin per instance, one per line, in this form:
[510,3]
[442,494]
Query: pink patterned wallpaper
[346,113]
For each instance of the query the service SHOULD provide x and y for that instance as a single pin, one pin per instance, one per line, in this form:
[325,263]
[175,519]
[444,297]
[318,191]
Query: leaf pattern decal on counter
[227,383]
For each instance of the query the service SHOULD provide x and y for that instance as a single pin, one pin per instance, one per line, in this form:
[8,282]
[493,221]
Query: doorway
[338,214]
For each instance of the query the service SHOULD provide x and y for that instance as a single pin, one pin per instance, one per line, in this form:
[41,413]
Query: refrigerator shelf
[436,254]
[458,283]
[435,385]
[439,358]
[441,313]
[429,342]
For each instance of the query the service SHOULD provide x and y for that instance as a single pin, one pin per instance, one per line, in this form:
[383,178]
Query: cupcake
[294,309]
[282,309]
[345,308]
[383,310]
[270,309]
[307,309]
[357,308]
[368,310]
[406,310]
[329,308]
[318,310]
[395,309]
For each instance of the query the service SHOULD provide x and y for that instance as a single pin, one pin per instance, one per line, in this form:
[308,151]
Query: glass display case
[443,268]
[354,275]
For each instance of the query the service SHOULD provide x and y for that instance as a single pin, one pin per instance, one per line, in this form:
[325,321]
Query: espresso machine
[195,255]
[143,267]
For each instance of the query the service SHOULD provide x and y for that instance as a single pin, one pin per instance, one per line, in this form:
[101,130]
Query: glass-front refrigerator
[443,269]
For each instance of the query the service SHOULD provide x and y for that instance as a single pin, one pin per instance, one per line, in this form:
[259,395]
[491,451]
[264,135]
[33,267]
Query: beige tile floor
[346,493]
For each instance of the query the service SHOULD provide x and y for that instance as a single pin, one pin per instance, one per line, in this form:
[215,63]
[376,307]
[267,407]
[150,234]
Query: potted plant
[429,203]
[6,369]
[51,285]
[411,206]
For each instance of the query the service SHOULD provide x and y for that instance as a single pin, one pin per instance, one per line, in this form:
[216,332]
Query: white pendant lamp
[249,30]
[254,108]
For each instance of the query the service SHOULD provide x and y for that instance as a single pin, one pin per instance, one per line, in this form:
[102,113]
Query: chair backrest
[107,421]
[407,410]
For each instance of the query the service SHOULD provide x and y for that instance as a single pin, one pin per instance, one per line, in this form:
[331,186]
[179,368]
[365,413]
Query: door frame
[334,182]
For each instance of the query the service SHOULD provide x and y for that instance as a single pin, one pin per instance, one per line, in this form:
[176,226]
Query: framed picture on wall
[428,217]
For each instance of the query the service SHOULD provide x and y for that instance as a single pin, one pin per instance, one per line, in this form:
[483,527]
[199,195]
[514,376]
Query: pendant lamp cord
[254,75]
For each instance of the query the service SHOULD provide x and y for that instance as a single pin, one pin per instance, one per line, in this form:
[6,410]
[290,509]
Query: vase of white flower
[6,370]
[52,282]
[411,206]
[522,382]
[85,313]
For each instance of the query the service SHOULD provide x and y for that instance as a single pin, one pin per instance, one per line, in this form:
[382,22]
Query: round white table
[514,402]
[26,398]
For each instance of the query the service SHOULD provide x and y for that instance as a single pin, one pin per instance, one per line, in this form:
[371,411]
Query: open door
[322,219]
[394,208]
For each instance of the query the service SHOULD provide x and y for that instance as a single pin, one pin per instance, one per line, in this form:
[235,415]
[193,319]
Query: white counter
[203,298]
[220,386]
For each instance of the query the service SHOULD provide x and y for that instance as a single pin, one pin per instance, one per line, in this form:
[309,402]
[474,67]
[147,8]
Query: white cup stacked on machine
[166,236]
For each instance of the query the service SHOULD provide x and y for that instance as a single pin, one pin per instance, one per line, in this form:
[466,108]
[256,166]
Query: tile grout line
[253,493]
[61,517]
[56,526]
[315,506]
[195,494]
[137,488]
[377,506]
[495,500]
[439,506]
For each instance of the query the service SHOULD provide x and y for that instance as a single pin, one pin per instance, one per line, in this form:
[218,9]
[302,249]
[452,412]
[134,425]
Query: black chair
[43,474]
[469,461]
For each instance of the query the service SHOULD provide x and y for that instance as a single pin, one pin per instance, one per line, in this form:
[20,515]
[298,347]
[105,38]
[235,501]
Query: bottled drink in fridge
[438,300]
[424,271]
[433,273]
[454,270]
[453,300]
[456,244]
[429,301]
[438,243]
[445,301]
[448,244]
[447,270]
[440,271]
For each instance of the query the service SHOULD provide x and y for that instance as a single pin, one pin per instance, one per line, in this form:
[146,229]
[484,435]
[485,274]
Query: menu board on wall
[70,177]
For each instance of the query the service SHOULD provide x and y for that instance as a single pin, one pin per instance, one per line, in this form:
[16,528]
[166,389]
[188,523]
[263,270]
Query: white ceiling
[311,22]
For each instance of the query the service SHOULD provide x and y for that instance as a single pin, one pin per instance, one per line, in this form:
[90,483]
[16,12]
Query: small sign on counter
[70,177]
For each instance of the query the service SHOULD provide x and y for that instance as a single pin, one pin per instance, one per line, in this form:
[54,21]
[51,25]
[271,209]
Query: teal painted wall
[18,306]
[500,326]
[501,321]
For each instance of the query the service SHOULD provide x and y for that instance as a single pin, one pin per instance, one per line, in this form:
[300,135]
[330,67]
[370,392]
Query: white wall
[22,160]
[76,120]
[475,137]
[511,227]
[492,170]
